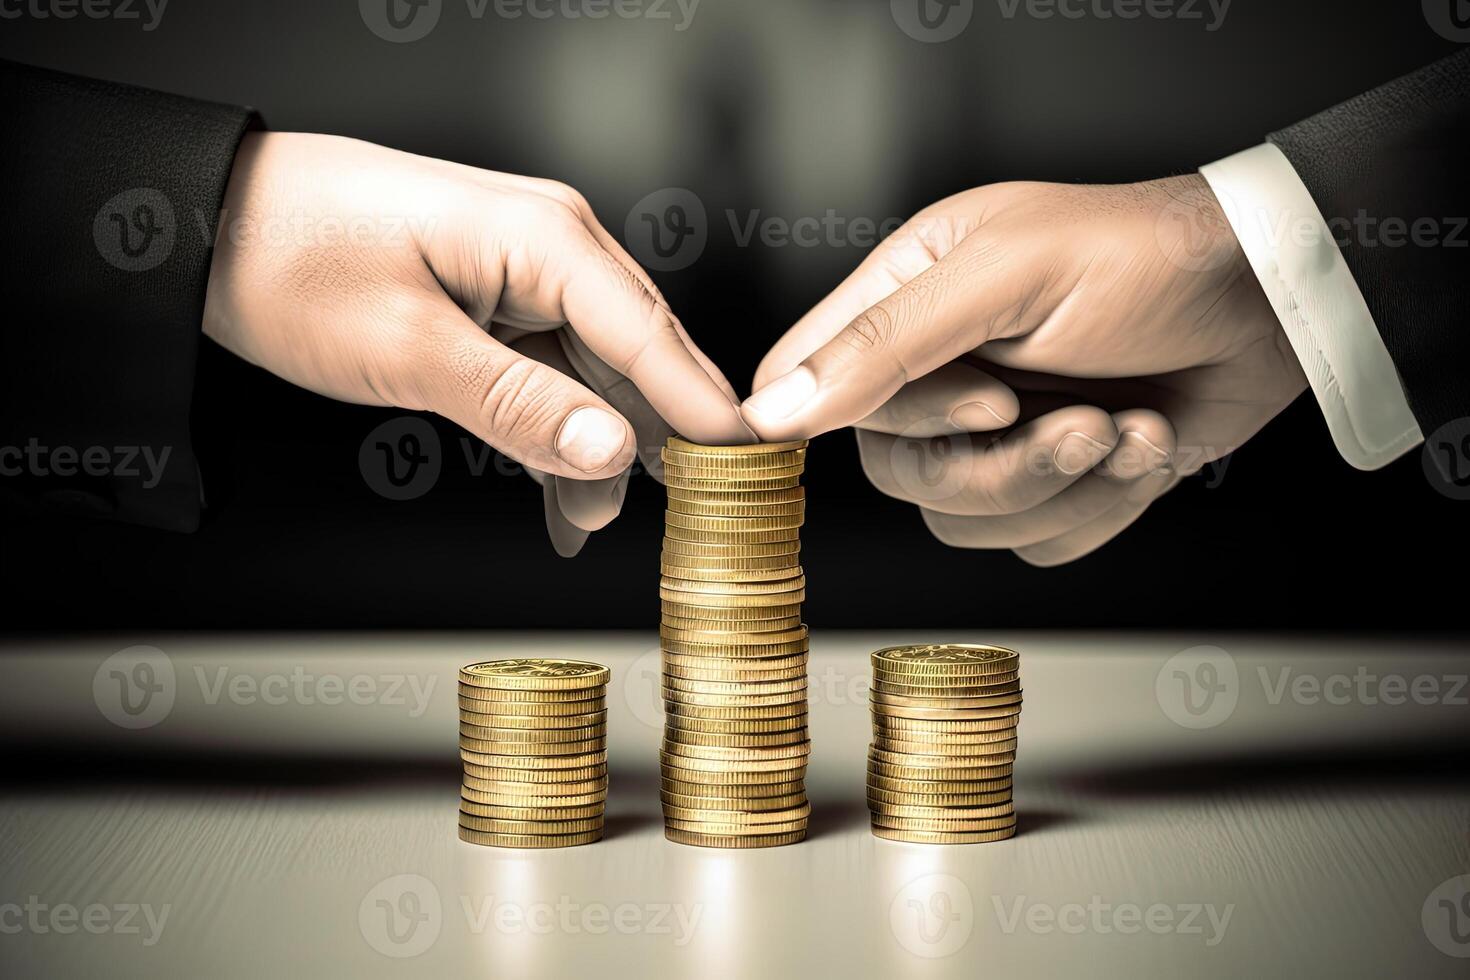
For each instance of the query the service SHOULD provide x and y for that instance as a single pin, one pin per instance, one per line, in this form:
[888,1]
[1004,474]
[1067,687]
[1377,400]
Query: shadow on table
[1420,763]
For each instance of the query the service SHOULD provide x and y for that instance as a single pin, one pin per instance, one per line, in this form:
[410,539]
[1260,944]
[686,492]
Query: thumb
[530,412]
[968,297]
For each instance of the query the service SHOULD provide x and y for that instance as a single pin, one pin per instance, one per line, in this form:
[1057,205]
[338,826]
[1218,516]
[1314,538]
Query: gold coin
[731,563]
[532,722]
[920,812]
[556,813]
[726,804]
[931,787]
[495,825]
[715,829]
[733,651]
[947,659]
[737,818]
[535,674]
[501,788]
[745,498]
[719,575]
[741,611]
[790,701]
[735,663]
[714,840]
[776,470]
[758,793]
[497,697]
[540,763]
[518,799]
[679,712]
[551,711]
[946,714]
[678,481]
[795,508]
[926,837]
[735,601]
[732,777]
[521,840]
[892,724]
[967,750]
[887,701]
[880,798]
[696,459]
[946,741]
[748,740]
[742,688]
[533,777]
[726,524]
[734,674]
[532,734]
[485,752]
[693,549]
[981,777]
[1004,684]
[677,583]
[727,537]
[735,639]
[752,449]
[685,752]
[781,765]
[720,627]
[944,826]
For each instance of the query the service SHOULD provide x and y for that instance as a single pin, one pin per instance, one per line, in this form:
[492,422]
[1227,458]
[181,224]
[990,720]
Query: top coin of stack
[533,740]
[944,743]
[734,646]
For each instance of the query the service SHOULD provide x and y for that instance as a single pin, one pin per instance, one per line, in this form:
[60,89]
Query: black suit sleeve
[112,195]
[1379,167]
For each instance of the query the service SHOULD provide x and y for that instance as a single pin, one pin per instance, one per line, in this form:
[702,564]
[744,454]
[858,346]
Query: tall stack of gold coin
[944,743]
[533,740]
[734,647]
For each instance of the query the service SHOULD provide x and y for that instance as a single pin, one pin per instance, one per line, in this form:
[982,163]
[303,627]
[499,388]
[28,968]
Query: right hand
[1126,317]
[499,302]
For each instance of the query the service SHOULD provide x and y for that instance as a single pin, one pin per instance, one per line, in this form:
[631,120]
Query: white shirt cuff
[1294,255]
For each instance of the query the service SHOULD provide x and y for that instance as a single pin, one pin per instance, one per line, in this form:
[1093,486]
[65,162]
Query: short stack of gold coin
[734,647]
[944,743]
[533,741]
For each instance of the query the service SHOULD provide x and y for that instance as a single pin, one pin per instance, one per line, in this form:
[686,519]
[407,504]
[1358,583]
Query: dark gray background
[790,108]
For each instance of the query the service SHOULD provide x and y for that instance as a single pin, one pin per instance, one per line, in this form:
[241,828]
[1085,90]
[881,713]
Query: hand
[382,278]
[1126,316]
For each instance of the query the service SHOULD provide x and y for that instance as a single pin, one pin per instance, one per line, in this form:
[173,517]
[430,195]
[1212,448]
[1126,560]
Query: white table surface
[269,833]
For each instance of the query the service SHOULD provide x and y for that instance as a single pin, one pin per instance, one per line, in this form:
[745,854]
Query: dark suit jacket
[114,193]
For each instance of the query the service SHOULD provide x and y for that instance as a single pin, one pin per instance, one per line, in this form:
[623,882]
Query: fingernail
[1077,452]
[976,417]
[1151,457]
[590,438]
[785,396]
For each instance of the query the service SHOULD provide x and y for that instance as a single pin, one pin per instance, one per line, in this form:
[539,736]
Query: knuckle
[872,331]
[519,399]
